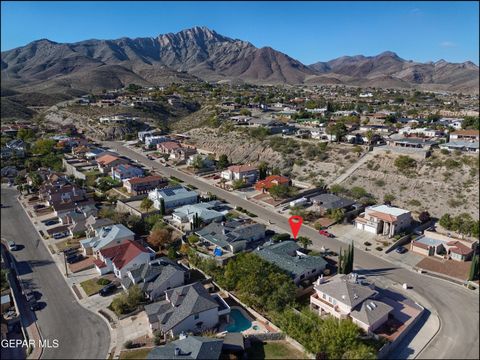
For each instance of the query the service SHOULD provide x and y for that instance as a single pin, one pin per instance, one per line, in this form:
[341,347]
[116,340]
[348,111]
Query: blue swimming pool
[238,322]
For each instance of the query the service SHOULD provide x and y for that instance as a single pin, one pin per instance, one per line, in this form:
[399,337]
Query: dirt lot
[298,159]
[440,184]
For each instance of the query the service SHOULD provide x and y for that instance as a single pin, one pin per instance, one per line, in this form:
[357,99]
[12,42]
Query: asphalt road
[456,306]
[80,333]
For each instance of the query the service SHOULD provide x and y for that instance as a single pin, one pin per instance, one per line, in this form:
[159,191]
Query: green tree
[388,198]
[369,135]
[358,192]
[146,204]
[26,134]
[162,206]
[193,239]
[263,170]
[223,161]
[337,214]
[405,163]
[197,162]
[473,274]
[339,130]
[43,146]
[279,191]
[337,189]
[237,184]
[304,241]
[446,221]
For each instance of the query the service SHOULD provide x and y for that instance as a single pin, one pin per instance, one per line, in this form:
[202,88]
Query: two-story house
[206,212]
[345,298]
[142,185]
[172,197]
[106,162]
[231,236]
[188,308]
[246,173]
[155,277]
[287,255]
[126,171]
[384,219]
[121,258]
[106,236]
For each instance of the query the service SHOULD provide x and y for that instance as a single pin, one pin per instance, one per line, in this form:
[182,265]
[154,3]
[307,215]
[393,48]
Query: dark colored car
[34,306]
[72,259]
[401,250]
[38,206]
[108,289]
[51,222]
[70,251]
[326,233]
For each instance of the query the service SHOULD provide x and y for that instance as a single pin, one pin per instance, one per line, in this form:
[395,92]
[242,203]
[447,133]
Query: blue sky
[307,31]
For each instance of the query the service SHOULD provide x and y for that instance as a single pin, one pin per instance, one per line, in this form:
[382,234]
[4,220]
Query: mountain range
[200,53]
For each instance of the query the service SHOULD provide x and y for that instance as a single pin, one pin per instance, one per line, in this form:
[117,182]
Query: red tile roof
[382,216]
[99,263]
[123,253]
[459,248]
[270,181]
[467,132]
[107,159]
[169,145]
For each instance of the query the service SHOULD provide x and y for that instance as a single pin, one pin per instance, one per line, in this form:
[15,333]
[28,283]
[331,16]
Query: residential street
[456,306]
[80,333]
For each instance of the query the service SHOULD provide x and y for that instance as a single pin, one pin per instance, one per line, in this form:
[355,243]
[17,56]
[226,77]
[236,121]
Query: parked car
[60,235]
[326,233]
[51,222]
[69,251]
[401,250]
[12,246]
[30,296]
[38,206]
[72,259]
[108,289]
[34,306]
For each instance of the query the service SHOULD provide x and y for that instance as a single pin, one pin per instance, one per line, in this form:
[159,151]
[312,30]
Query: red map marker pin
[295,224]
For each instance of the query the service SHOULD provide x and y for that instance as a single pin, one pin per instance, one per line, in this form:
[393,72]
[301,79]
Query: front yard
[135,354]
[91,286]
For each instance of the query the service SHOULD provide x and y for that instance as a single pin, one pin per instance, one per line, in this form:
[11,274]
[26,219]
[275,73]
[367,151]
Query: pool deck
[260,327]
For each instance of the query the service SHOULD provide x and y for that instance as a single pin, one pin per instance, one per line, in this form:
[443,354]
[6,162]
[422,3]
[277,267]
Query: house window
[324,296]
[196,317]
[329,299]
[334,302]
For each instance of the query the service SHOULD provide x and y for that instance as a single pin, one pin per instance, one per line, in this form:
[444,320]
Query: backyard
[273,350]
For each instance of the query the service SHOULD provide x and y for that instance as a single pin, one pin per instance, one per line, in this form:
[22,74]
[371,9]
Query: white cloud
[447,44]
[416,12]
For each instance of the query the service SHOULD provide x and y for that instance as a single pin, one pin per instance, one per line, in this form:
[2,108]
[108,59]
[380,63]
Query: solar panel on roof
[169,192]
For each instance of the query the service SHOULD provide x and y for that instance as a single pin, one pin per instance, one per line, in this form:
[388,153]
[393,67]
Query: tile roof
[272,180]
[241,168]
[344,290]
[191,348]
[107,159]
[122,254]
[226,233]
[182,302]
[284,255]
[169,145]
[107,235]
[466,132]
[459,248]
[370,311]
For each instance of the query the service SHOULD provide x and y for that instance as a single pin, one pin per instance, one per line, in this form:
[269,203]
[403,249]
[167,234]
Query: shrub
[280,237]
[128,344]
[404,163]
[103,281]
[380,183]
[379,248]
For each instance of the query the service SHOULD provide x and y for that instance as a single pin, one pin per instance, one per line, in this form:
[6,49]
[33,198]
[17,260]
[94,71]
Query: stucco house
[207,212]
[106,236]
[121,258]
[345,298]
[172,196]
[188,308]
[384,219]
[246,173]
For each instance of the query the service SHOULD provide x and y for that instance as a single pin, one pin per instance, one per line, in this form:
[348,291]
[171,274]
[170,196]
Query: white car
[12,246]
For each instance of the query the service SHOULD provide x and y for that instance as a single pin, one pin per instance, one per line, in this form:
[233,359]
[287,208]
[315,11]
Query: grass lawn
[135,354]
[91,287]
[273,350]
[62,245]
